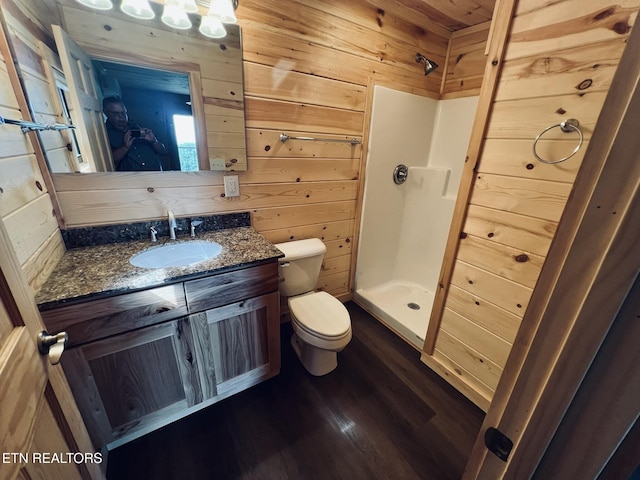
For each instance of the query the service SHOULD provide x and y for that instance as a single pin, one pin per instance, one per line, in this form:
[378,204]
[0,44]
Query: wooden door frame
[495,50]
[19,298]
[591,266]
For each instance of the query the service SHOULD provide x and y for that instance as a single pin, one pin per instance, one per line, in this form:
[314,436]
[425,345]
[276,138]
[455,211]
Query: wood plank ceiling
[452,15]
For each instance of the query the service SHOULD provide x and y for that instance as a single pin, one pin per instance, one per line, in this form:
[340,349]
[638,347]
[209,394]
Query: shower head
[429,65]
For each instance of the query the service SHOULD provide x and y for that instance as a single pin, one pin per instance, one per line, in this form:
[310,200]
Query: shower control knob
[400,174]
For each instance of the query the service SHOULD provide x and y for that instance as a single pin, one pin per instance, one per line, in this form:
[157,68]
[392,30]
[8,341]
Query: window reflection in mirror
[73,162]
[153,99]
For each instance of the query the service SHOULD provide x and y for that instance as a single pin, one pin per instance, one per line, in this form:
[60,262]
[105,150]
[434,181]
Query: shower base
[403,306]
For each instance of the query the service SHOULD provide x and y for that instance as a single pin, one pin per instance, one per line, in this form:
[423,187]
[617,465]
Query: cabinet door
[132,383]
[237,345]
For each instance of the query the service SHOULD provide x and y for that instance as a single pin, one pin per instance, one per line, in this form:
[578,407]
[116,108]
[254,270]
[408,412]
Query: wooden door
[41,429]
[86,107]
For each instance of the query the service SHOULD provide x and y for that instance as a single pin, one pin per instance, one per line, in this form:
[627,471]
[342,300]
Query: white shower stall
[404,227]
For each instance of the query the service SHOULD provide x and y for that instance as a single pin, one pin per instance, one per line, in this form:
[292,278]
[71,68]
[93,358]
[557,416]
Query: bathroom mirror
[187,88]
[159,100]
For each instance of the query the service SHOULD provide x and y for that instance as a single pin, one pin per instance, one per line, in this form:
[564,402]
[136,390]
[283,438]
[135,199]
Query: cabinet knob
[52,345]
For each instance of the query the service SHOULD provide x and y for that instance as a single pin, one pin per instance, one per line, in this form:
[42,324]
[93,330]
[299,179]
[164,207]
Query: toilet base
[318,362]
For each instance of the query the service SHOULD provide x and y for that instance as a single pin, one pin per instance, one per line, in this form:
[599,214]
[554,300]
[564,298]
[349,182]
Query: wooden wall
[466,59]
[559,63]
[308,70]
[25,204]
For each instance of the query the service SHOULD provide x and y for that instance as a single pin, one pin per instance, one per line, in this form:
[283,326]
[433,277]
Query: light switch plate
[231,186]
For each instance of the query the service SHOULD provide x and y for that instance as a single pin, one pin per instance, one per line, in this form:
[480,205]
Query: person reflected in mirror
[134,148]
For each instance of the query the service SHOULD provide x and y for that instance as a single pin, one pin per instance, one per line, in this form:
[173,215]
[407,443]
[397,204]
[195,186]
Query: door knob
[52,345]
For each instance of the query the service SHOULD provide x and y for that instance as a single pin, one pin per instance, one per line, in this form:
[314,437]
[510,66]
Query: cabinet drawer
[218,290]
[101,318]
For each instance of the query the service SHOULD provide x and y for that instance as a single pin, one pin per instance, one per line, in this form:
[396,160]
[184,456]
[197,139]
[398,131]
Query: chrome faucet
[172,225]
[194,224]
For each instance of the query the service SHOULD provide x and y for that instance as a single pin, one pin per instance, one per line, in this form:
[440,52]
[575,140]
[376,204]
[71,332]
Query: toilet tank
[300,267]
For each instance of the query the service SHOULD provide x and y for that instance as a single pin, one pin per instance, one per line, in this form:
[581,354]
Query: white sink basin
[180,254]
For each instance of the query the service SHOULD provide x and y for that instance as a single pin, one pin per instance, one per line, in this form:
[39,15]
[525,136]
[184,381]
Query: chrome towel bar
[27,126]
[353,141]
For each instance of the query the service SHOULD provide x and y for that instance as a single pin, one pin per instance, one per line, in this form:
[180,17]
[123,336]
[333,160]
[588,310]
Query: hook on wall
[429,65]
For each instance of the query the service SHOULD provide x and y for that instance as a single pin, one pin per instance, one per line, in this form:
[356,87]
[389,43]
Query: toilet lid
[320,313]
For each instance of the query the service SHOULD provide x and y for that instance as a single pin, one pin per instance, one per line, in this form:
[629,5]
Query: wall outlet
[231,186]
[217,164]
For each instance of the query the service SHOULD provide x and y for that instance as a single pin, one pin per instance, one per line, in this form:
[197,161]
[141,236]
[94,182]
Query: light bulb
[223,10]
[137,9]
[188,6]
[212,27]
[99,4]
[175,17]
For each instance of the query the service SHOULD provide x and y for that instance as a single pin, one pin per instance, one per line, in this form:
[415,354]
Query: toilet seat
[321,315]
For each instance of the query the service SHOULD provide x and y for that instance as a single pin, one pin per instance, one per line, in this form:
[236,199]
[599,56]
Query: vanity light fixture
[98,4]
[175,13]
[212,27]
[137,9]
[175,17]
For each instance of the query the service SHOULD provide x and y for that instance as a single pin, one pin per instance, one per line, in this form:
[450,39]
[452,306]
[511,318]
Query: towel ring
[567,126]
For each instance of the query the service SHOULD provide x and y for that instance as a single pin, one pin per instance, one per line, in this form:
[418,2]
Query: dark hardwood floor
[381,414]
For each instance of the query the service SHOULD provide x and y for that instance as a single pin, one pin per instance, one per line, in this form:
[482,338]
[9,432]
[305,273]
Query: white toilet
[321,323]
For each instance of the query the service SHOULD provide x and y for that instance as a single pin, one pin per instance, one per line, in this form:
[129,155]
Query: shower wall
[404,227]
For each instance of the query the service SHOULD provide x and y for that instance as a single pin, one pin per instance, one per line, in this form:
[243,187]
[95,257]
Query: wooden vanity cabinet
[132,382]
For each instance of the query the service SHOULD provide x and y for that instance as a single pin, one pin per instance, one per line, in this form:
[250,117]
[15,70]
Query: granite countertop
[100,271]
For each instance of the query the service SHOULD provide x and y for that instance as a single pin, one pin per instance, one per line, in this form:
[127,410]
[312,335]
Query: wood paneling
[26,206]
[510,263]
[559,64]
[535,198]
[28,235]
[307,69]
[539,27]
[465,62]
[452,16]
[476,337]
[508,295]
[490,316]
[531,234]
[40,265]
[323,231]
[483,369]
[589,67]
[585,302]
[275,114]
[512,158]
[286,84]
